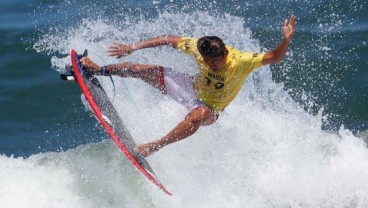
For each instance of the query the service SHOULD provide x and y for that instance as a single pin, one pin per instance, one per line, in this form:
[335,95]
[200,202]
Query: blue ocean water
[300,121]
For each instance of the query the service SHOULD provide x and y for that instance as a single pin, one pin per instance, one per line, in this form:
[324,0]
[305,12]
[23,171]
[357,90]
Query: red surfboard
[109,118]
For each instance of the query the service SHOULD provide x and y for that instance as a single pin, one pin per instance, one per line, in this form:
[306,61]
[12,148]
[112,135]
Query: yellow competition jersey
[217,90]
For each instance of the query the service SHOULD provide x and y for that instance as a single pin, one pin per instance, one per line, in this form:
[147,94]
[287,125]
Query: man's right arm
[120,50]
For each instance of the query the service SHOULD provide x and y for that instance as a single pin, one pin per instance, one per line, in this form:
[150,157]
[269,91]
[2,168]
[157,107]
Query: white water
[264,151]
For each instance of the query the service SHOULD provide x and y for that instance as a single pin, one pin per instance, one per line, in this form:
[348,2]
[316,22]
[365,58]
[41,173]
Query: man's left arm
[278,54]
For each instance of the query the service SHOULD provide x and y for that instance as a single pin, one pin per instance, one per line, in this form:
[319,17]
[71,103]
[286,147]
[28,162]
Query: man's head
[214,52]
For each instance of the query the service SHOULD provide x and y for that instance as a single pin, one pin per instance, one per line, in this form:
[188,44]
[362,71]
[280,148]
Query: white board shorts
[179,86]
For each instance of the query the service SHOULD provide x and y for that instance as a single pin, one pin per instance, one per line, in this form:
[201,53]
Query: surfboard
[109,118]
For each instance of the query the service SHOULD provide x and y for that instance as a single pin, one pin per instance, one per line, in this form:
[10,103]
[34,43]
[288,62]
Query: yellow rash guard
[217,90]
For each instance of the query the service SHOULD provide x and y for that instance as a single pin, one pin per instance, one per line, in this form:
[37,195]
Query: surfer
[222,71]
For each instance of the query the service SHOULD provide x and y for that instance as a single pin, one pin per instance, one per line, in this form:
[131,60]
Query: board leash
[129,94]
[112,81]
[114,88]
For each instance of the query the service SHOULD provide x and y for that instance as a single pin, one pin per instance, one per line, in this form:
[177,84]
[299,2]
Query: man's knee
[202,115]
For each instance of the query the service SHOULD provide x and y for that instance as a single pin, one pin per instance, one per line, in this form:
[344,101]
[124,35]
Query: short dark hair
[211,46]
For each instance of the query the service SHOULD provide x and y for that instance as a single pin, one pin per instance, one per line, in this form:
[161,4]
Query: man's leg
[202,115]
[151,74]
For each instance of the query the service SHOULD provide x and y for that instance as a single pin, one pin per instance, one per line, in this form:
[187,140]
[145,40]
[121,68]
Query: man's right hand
[120,50]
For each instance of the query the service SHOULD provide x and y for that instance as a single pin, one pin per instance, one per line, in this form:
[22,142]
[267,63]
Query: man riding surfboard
[222,71]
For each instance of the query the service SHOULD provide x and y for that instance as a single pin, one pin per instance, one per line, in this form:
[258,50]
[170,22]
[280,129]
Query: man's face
[215,63]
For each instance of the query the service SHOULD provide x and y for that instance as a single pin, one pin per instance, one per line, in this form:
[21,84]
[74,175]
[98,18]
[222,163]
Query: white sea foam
[264,151]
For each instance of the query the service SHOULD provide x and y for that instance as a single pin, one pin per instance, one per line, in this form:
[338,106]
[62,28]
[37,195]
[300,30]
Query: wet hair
[211,46]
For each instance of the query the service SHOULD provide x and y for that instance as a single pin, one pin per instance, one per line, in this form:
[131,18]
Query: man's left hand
[289,28]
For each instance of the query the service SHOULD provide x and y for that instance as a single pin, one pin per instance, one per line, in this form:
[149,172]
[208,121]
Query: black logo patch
[219,84]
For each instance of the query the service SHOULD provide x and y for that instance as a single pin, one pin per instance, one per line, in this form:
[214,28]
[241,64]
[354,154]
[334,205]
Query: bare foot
[146,149]
[89,64]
